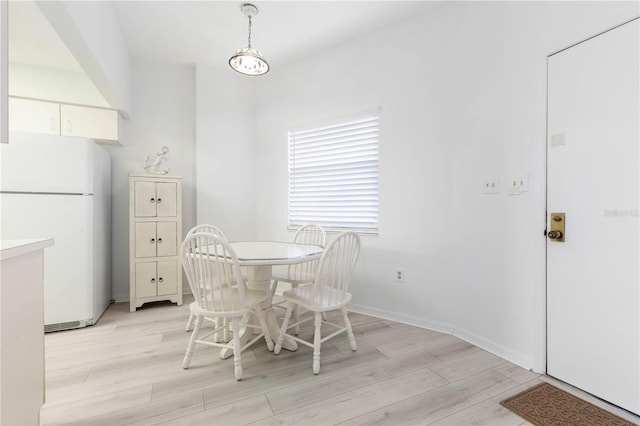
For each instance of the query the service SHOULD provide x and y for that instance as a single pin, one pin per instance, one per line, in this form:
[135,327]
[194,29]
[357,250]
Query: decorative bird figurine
[154,166]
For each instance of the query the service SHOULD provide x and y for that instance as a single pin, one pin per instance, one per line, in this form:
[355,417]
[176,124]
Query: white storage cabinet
[26,115]
[22,331]
[155,227]
[53,118]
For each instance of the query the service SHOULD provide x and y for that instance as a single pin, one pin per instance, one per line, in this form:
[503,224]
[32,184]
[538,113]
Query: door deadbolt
[556,233]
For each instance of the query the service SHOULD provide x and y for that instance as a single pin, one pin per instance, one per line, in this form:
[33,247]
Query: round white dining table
[259,257]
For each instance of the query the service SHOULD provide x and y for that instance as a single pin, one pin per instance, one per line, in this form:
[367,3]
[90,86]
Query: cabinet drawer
[146,281]
[145,243]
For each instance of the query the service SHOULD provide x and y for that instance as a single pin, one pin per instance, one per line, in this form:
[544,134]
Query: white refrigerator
[60,187]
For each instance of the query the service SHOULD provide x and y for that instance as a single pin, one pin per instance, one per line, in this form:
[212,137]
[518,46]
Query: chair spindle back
[312,235]
[213,272]
[209,229]
[336,268]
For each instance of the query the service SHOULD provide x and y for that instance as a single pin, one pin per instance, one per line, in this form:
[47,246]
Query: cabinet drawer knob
[160,279]
[153,280]
[159,240]
[153,241]
[159,200]
[153,200]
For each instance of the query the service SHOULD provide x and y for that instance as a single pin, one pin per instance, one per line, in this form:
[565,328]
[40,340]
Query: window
[333,175]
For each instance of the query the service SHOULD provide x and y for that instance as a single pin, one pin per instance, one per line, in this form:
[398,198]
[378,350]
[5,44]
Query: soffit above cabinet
[40,64]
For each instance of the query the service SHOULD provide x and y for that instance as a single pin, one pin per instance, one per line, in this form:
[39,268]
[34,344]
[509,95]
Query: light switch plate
[523,182]
[518,184]
[490,185]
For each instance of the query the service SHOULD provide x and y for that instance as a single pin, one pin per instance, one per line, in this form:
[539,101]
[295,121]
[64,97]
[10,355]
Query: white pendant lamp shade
[248,60]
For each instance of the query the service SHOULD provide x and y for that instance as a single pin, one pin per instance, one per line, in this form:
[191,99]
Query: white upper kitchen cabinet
[26,115]
[97,123]
[38,116]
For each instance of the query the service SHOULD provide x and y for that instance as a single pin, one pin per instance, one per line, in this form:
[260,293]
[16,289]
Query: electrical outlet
[399,275]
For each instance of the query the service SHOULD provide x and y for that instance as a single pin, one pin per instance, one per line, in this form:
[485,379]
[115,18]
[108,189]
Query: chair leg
[347,324]
[283,328]
[265,329]
[219,336]
[296,314]
[296,319]
[274,286]
[192,341]
[317,338]
[223,334]
[225,331]
[237,356]
[189,326]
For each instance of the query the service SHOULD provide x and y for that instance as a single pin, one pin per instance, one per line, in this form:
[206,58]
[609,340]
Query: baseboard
[401,318]
[474,339]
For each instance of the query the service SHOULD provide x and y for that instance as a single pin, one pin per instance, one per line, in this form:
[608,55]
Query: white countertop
[13,248]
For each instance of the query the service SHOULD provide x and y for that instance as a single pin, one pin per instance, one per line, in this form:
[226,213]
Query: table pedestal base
[259,277]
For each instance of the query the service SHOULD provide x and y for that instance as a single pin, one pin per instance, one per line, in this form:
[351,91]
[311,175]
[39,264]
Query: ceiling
[209,32]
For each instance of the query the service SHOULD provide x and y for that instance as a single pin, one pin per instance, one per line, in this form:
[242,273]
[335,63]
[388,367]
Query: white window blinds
[333,175]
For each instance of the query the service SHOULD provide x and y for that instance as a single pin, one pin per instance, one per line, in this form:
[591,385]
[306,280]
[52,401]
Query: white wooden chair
[299,273]
[210,229]
[216,231]
[328,292]
[213,272]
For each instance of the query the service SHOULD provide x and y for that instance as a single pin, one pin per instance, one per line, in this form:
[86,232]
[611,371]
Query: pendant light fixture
[248,60]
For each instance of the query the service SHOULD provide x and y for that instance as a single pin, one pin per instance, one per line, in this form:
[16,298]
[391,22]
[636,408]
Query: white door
[593,309]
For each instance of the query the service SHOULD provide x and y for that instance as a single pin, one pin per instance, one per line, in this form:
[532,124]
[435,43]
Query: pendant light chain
[249,31]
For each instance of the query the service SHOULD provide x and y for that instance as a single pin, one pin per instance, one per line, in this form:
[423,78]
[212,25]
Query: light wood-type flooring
[127,369]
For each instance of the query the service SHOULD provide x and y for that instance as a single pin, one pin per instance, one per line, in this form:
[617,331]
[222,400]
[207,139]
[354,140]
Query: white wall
[225,121]
[92,33]
[31,81]
[163,114]
[462,92]
[4,68]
